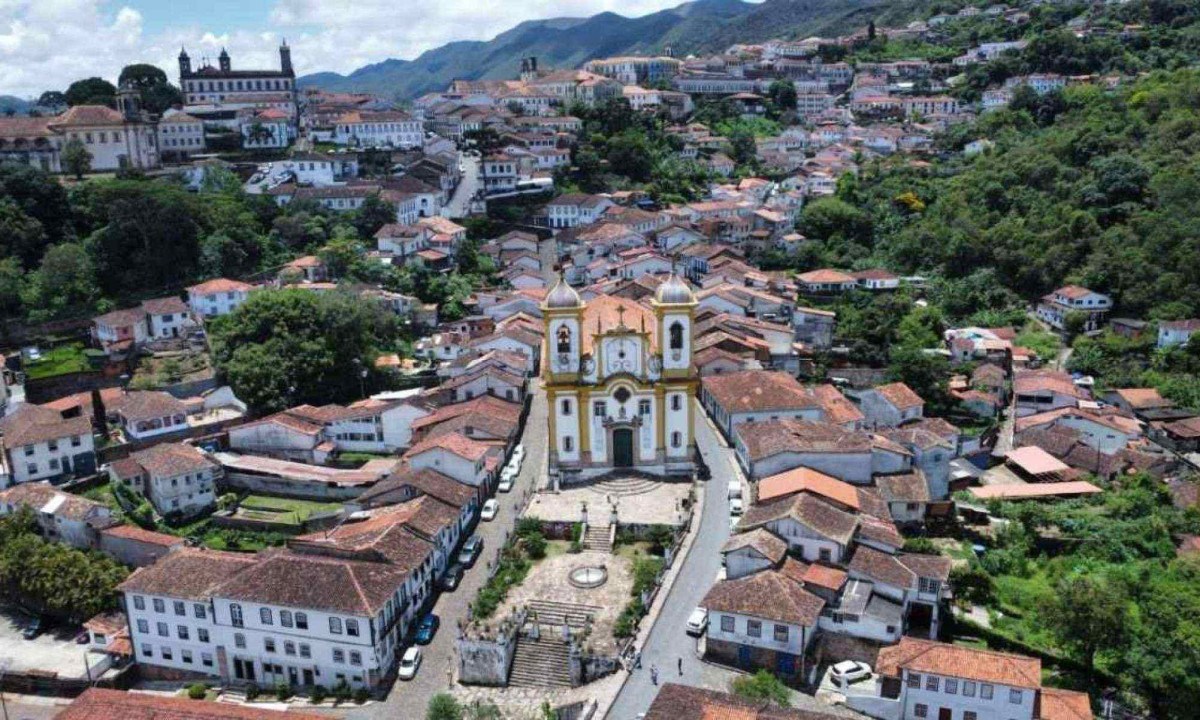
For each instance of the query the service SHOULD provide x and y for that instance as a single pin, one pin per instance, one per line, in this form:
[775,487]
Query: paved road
[460,202]
[408,699]
[668,642]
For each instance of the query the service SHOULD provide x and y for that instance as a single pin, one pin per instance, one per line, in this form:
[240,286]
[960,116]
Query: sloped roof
[766,594]
[957,661]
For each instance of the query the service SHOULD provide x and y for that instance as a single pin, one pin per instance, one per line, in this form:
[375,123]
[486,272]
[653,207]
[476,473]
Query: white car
[735,506]
[510,471]
[733,523]
[847,671]
[506,484]
[490,508]
[519,454]
[697,622]
[409,662]
[735,488]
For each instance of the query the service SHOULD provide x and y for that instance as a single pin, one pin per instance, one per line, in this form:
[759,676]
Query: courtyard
[638,501]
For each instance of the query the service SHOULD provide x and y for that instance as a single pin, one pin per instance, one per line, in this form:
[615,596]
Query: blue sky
[47,44]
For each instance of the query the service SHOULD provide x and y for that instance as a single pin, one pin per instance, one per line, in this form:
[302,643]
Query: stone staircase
[556,614]
[624,486]
[596,539]
[541,663]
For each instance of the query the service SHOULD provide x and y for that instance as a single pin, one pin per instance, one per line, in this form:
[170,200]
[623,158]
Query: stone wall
[485,659]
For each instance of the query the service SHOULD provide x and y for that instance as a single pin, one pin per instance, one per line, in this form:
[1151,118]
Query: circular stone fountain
[588,576]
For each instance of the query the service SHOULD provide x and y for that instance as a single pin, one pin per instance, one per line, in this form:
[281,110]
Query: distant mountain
[693,27]
[16,104]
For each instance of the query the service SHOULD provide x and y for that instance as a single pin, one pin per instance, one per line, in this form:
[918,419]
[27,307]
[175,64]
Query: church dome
[674,291]
[563,296]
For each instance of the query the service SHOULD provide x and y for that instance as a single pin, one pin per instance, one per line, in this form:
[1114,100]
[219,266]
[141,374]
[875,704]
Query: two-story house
[219,296]
[40,444]
[891,405]
[72,519]
[149,413]
[1090,305]
[177,479]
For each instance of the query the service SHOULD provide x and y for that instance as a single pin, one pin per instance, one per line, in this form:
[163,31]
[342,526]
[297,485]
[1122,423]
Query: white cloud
[46,44]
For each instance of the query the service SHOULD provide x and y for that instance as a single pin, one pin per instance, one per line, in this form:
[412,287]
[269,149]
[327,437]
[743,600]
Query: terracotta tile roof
[839,410]
[766,594]
[684,702]
[1190,325]
[164,306]
[455,443]
[1065,705]
[30,424]
[927,656]
[420,482]
[761,540]
[484,405]
[936,567]
[187,573]
[121,318]
[170,459]
[1186,428]
[133,532]
[1035,381]
[1143,398]
[1020,491]
[107,623]
[906,488]
[103,704]
[988,374]
[147,405]
[384,536]
[217,285]
[758,391]
[312,581]
[899,395]
[1074,292]
[804,479]
[1050,418]
[764,439]
[811,512]
[25,127]
[824,576]
[43,497]
[287,420]
[88,115]
[825,276]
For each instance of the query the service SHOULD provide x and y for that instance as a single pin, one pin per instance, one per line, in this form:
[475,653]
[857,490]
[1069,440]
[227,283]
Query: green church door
[623,448]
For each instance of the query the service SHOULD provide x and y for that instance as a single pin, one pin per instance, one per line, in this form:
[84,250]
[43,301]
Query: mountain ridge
[692,27]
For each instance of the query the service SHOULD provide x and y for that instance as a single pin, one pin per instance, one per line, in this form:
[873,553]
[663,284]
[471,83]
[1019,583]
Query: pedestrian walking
[637,660]
[681,666]
[654,674]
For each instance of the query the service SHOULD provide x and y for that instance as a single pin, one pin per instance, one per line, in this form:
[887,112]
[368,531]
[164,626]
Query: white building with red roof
[1073,299]
[219,296]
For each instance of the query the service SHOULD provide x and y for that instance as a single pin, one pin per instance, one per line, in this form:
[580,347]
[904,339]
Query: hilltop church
[619,381]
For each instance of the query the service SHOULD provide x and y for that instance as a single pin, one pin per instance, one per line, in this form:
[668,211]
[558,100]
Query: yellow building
[620,381]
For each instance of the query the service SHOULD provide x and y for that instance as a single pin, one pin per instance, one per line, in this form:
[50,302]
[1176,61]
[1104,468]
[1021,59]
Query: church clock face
[621,356]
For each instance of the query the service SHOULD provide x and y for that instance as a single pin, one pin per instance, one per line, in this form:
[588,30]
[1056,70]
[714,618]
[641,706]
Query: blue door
[785,663]
[743,656]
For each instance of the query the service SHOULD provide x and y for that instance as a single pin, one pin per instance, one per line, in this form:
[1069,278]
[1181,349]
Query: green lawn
[269,507]
[1045,344]
[103,494]
[62,360]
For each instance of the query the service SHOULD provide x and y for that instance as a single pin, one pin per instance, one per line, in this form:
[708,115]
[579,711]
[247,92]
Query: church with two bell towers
[620,379]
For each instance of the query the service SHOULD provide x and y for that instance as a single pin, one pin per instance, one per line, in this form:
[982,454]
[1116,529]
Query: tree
[76,159]
[41,196]
[762,685]
[374,214]
[287,347]
[743,147]
[142,75]
[20,235]
[52,99]
[1089,614]
[91,91]
[12,278]
[783,94]
[443,706]
[148,234]
[66,279]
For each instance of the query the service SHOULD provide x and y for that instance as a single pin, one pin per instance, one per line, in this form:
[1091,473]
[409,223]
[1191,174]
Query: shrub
[283,691]
[443,706]
[197,691]
[251,692]
[318,694]
[626,623]
[576,547]
[762,685]
[535,545]
[361,695]
[920,545]
[527,526]
[341,691]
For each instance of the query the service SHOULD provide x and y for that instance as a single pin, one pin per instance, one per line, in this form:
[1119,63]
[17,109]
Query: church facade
[620,379]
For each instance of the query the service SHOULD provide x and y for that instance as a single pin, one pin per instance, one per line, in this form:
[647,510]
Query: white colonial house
[40,444]
[177,479]
[365,128]
[219,296]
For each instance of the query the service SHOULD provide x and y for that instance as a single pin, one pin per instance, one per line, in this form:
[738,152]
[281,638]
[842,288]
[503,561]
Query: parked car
[452,577]
[470,551]
[409,662]
[697,622]
[490,508]
[506,485]
[847,671]
[518,454]
[733,522]
[427,628]
[510,472]
[735,506]
[33,629]
[735,488]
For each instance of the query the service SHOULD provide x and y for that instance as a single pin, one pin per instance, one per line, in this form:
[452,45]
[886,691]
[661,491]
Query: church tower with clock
[620,380]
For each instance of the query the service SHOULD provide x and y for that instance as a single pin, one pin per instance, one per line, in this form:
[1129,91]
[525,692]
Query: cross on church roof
[621,316]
